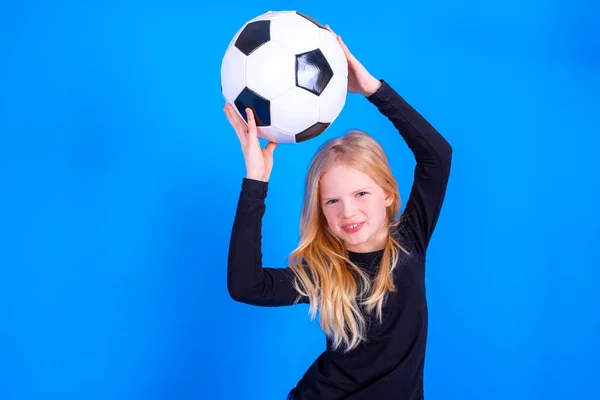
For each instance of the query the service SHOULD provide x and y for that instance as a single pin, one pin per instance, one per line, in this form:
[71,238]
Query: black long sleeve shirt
[390,364]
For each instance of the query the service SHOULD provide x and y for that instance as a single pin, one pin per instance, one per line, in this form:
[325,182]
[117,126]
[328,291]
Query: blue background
[119,177]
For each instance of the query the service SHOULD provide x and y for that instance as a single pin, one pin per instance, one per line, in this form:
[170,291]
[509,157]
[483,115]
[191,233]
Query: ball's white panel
[333,98]
[295,110]
[270,15]
[295,33]
[270,70]
[233,72]
[273,134]
[333,52]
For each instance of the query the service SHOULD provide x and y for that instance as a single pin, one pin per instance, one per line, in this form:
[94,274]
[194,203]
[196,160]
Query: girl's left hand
[359,79]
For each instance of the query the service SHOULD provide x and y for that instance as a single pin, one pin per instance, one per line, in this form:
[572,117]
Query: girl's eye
[332,201]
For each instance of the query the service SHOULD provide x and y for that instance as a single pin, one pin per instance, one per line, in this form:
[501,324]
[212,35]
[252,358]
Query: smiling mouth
[351,228]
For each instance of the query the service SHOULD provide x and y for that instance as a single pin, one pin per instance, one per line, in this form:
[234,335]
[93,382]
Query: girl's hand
[359,79]
[259,162]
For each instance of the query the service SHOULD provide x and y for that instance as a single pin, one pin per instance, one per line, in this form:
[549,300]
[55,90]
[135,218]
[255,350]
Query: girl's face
[355,208]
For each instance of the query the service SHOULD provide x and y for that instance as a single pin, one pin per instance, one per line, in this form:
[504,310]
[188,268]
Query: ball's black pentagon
[313,72]
[311,132]
[314,21]
[261,107]
[254,35]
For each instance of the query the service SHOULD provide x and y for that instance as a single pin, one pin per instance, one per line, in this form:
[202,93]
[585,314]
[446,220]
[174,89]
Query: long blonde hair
[323,272]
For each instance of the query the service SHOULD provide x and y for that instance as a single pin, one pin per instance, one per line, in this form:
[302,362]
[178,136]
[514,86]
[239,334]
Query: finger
[271,146]
[251,123]
[231,116]
[338,37]
[344,47]
[340,41]
[268,154]
[239,122]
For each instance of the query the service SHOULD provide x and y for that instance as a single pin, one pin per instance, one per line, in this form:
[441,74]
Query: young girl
[358,264]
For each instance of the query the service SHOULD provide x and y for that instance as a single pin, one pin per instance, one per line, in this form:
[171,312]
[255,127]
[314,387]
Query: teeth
[351,226]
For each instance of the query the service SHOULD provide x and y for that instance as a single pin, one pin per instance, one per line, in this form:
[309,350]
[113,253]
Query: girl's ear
[389,198]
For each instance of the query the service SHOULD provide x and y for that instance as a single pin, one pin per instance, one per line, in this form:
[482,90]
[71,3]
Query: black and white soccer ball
[290,71]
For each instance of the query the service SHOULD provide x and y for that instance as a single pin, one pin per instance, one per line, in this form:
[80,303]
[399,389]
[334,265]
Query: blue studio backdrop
[120,175]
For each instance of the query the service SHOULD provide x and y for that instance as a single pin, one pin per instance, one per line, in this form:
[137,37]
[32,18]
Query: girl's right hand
[259,162]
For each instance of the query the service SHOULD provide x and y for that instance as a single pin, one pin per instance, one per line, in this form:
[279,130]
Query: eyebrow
[364,189]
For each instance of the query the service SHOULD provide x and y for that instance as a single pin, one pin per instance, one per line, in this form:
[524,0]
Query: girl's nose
[349,210]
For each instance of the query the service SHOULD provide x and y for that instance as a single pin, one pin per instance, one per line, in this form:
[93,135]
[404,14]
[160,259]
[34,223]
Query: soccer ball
[290,71]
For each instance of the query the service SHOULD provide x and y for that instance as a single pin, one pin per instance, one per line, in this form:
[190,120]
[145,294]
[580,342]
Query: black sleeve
[433,156]
[247,281]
